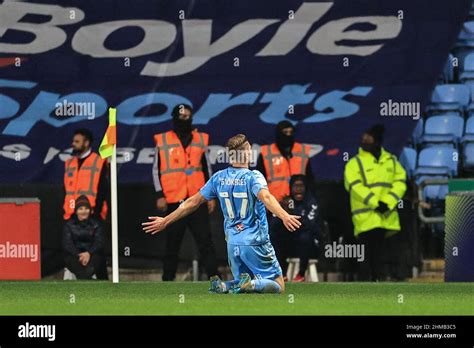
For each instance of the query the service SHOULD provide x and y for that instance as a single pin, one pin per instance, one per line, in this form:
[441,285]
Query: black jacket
[81,236]
[308,209]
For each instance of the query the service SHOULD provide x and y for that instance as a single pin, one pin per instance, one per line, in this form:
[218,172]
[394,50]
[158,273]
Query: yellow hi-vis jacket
[370,181]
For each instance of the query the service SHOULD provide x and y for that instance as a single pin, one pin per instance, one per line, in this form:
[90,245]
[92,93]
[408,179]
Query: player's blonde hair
[237,142]
[236,151]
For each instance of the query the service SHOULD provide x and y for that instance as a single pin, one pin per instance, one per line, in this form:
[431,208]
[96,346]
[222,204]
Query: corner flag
[107,149]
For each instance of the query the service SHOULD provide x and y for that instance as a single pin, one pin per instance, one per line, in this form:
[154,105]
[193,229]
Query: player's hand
[161,204]
[156,225]
[211,205]
[291,222]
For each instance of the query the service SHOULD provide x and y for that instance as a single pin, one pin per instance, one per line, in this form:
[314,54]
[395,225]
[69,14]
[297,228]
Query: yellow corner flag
[106,147]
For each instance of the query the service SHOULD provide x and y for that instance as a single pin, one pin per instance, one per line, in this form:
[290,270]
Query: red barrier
[20,239]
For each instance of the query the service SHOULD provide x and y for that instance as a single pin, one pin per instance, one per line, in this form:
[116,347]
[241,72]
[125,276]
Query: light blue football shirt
[245,219]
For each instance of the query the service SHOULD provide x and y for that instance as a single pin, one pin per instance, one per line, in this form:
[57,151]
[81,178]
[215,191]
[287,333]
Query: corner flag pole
[113,194]
[108,148]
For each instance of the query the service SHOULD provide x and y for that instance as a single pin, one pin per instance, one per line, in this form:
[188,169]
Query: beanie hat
[82,201]
[376,131]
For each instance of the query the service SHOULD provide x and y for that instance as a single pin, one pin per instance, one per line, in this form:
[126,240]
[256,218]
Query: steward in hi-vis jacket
[376,183]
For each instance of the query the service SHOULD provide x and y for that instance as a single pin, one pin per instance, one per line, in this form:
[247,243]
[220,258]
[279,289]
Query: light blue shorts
[256,260]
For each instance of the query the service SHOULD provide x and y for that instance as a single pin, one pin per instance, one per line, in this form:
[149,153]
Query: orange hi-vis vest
[181,173]
[279,170]
[84,181]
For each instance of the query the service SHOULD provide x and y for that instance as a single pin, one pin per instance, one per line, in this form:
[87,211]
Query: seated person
[83,243]
[302,243]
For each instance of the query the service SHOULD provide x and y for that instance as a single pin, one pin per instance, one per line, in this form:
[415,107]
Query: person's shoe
[285,279]
[298,279]
[216,285]
[244,284]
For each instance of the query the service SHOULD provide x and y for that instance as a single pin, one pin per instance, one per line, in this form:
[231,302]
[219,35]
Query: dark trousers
[298,244]
[95,266]
[198,223]
[372,268]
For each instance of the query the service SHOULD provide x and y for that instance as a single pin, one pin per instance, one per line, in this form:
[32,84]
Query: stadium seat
[450,97]
[469,132]
[468,155]
[461,53]
[447,75]
[470,85]
[294,267]
[443,191]
[446,128]
[408,160]
[433,192]
[418,132]
[437,160]
[468,68]
[466,35]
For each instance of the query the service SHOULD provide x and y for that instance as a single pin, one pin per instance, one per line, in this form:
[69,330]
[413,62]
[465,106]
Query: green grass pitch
[187,298]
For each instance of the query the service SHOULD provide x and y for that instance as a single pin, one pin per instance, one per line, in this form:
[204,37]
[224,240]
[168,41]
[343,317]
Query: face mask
[372,148]
[183,126]
[285,141]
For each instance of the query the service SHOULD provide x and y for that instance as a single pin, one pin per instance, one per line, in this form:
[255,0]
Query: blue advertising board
[328,67]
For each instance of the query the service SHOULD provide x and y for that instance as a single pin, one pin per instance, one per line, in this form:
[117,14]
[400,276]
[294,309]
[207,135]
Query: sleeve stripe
[394,195]
[355,182]
[156,172]
[367,199]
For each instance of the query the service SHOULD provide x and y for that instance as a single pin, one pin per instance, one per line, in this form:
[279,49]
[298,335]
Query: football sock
[228,284]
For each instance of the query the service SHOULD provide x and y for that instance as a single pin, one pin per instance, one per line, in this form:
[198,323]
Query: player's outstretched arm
[291,222]
[158,224]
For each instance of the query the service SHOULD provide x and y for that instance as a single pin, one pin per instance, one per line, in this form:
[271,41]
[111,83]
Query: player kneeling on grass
[243,195]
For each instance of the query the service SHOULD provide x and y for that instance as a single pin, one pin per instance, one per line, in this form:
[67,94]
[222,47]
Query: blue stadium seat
[450,97]
[433,192]
[461,54]
[468,68]
[466,35]
[443,191]
[437,160]
[447,75]
[446,128]
[468,155]
[408,160]
[470,84]
[469,132]
[417,132]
